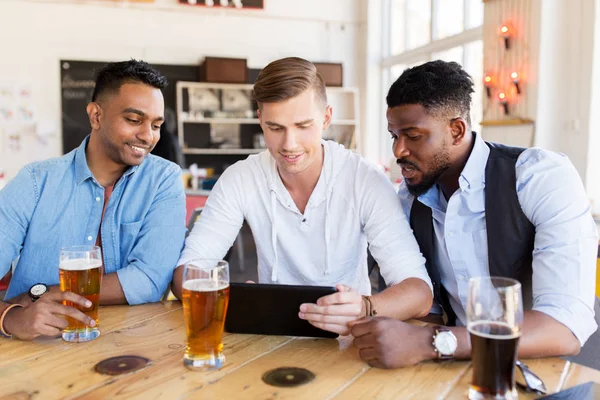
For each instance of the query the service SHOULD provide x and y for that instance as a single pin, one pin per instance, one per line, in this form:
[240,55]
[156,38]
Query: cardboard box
[332,73]
[223,70]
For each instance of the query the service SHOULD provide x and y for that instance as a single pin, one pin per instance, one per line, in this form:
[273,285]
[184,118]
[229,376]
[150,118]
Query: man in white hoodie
[313,207]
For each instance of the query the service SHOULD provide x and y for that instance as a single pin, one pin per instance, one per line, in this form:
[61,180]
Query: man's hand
[24,299]
[44,316]
[334,312]
[389,343]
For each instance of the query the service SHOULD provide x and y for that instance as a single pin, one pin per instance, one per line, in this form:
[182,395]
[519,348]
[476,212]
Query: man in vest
[481,209]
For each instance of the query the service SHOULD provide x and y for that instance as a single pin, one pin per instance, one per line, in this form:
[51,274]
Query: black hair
[113,75]
[438,86]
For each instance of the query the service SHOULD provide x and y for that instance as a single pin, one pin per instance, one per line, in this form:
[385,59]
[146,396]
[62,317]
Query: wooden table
[51,368]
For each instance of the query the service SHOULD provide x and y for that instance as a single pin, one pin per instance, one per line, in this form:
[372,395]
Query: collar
[82,170]
[471,177]
[473,174]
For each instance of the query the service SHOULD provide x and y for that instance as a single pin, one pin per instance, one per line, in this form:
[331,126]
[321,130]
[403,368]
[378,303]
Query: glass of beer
[205,299]
[494,322]
[81,271]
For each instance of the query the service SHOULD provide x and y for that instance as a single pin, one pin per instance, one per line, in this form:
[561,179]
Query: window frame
[422,53]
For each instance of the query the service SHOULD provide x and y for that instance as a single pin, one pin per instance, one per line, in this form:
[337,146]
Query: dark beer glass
[205,298]
[494,322]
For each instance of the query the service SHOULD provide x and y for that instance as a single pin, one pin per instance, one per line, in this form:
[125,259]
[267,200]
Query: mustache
[404,161]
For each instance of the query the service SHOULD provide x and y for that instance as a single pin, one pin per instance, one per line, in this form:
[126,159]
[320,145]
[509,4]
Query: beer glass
[80,272]
[494,322]
[205,299]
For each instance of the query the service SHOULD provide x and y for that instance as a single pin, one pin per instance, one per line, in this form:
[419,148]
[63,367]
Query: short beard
[440,163]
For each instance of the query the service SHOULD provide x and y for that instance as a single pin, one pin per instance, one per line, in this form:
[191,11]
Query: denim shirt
[58,202]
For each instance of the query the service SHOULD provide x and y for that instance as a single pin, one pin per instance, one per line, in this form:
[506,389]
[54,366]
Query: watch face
[445,343]
[38,290]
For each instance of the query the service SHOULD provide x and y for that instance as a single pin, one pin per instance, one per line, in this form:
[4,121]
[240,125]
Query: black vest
[510,234]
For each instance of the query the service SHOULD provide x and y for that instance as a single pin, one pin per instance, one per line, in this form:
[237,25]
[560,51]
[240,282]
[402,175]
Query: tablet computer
[268,309]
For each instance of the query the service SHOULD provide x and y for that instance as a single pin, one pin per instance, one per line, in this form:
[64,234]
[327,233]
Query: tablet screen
[268,309]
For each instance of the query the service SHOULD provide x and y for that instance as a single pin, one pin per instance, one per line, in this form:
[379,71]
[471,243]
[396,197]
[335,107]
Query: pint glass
[494,322]
[80,270]
[205,298]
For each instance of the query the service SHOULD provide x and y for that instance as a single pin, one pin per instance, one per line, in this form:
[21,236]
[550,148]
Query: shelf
[221,151]
[221,121]
[343,122]
[250,121]
[344,128]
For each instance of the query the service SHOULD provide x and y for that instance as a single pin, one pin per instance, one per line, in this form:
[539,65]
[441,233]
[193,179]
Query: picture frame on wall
[239,4]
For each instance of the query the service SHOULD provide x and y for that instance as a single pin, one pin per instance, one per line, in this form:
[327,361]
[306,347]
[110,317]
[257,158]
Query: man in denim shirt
[109,192]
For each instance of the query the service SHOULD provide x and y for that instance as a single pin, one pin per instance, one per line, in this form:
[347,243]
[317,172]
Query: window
[418,31]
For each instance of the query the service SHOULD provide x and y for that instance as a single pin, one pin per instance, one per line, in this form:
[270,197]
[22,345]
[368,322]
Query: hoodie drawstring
[274,235]
[327,234]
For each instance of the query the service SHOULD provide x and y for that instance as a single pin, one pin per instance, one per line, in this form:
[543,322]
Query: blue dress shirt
[58,202]
[566,241]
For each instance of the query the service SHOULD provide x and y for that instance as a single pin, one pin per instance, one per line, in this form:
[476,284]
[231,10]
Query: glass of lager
[494,322]
[80,270]
[205,297]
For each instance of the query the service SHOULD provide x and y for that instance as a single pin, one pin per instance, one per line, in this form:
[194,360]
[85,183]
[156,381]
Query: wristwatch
[36,291]
[444,343]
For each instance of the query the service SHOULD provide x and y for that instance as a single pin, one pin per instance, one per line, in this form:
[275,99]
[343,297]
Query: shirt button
[451,234]
[97,198]
[89,238]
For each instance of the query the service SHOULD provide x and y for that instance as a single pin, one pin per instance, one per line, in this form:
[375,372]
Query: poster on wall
[17,115]
[239,4]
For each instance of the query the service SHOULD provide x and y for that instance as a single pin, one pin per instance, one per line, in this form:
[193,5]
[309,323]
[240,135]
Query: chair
[371,263]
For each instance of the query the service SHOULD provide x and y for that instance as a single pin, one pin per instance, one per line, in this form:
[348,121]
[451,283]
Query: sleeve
[552,196]
[220,221]
[388,232]
[17,204]
[151,262]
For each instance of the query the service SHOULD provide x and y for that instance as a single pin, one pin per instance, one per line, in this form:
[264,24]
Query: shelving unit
[207,125]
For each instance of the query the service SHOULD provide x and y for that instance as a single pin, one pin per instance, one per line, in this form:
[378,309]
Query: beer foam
[79,264]
[472,329]
[204,285]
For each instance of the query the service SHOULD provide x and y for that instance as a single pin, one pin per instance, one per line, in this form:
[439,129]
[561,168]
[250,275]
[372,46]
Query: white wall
[44,31]
[593,156]
[565,70]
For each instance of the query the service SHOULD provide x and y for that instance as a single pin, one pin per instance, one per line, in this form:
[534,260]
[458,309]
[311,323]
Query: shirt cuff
[570,312]
[137,289]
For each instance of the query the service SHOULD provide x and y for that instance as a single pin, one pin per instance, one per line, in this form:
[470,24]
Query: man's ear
[458,128]
[94,112]
[328,116]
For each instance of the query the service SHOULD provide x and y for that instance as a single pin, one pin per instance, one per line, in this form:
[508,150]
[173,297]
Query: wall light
[503,102]
[514,76]
[506,33]
[488,82]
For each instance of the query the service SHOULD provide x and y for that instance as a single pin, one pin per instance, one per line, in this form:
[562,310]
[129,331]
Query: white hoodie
[352,204]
